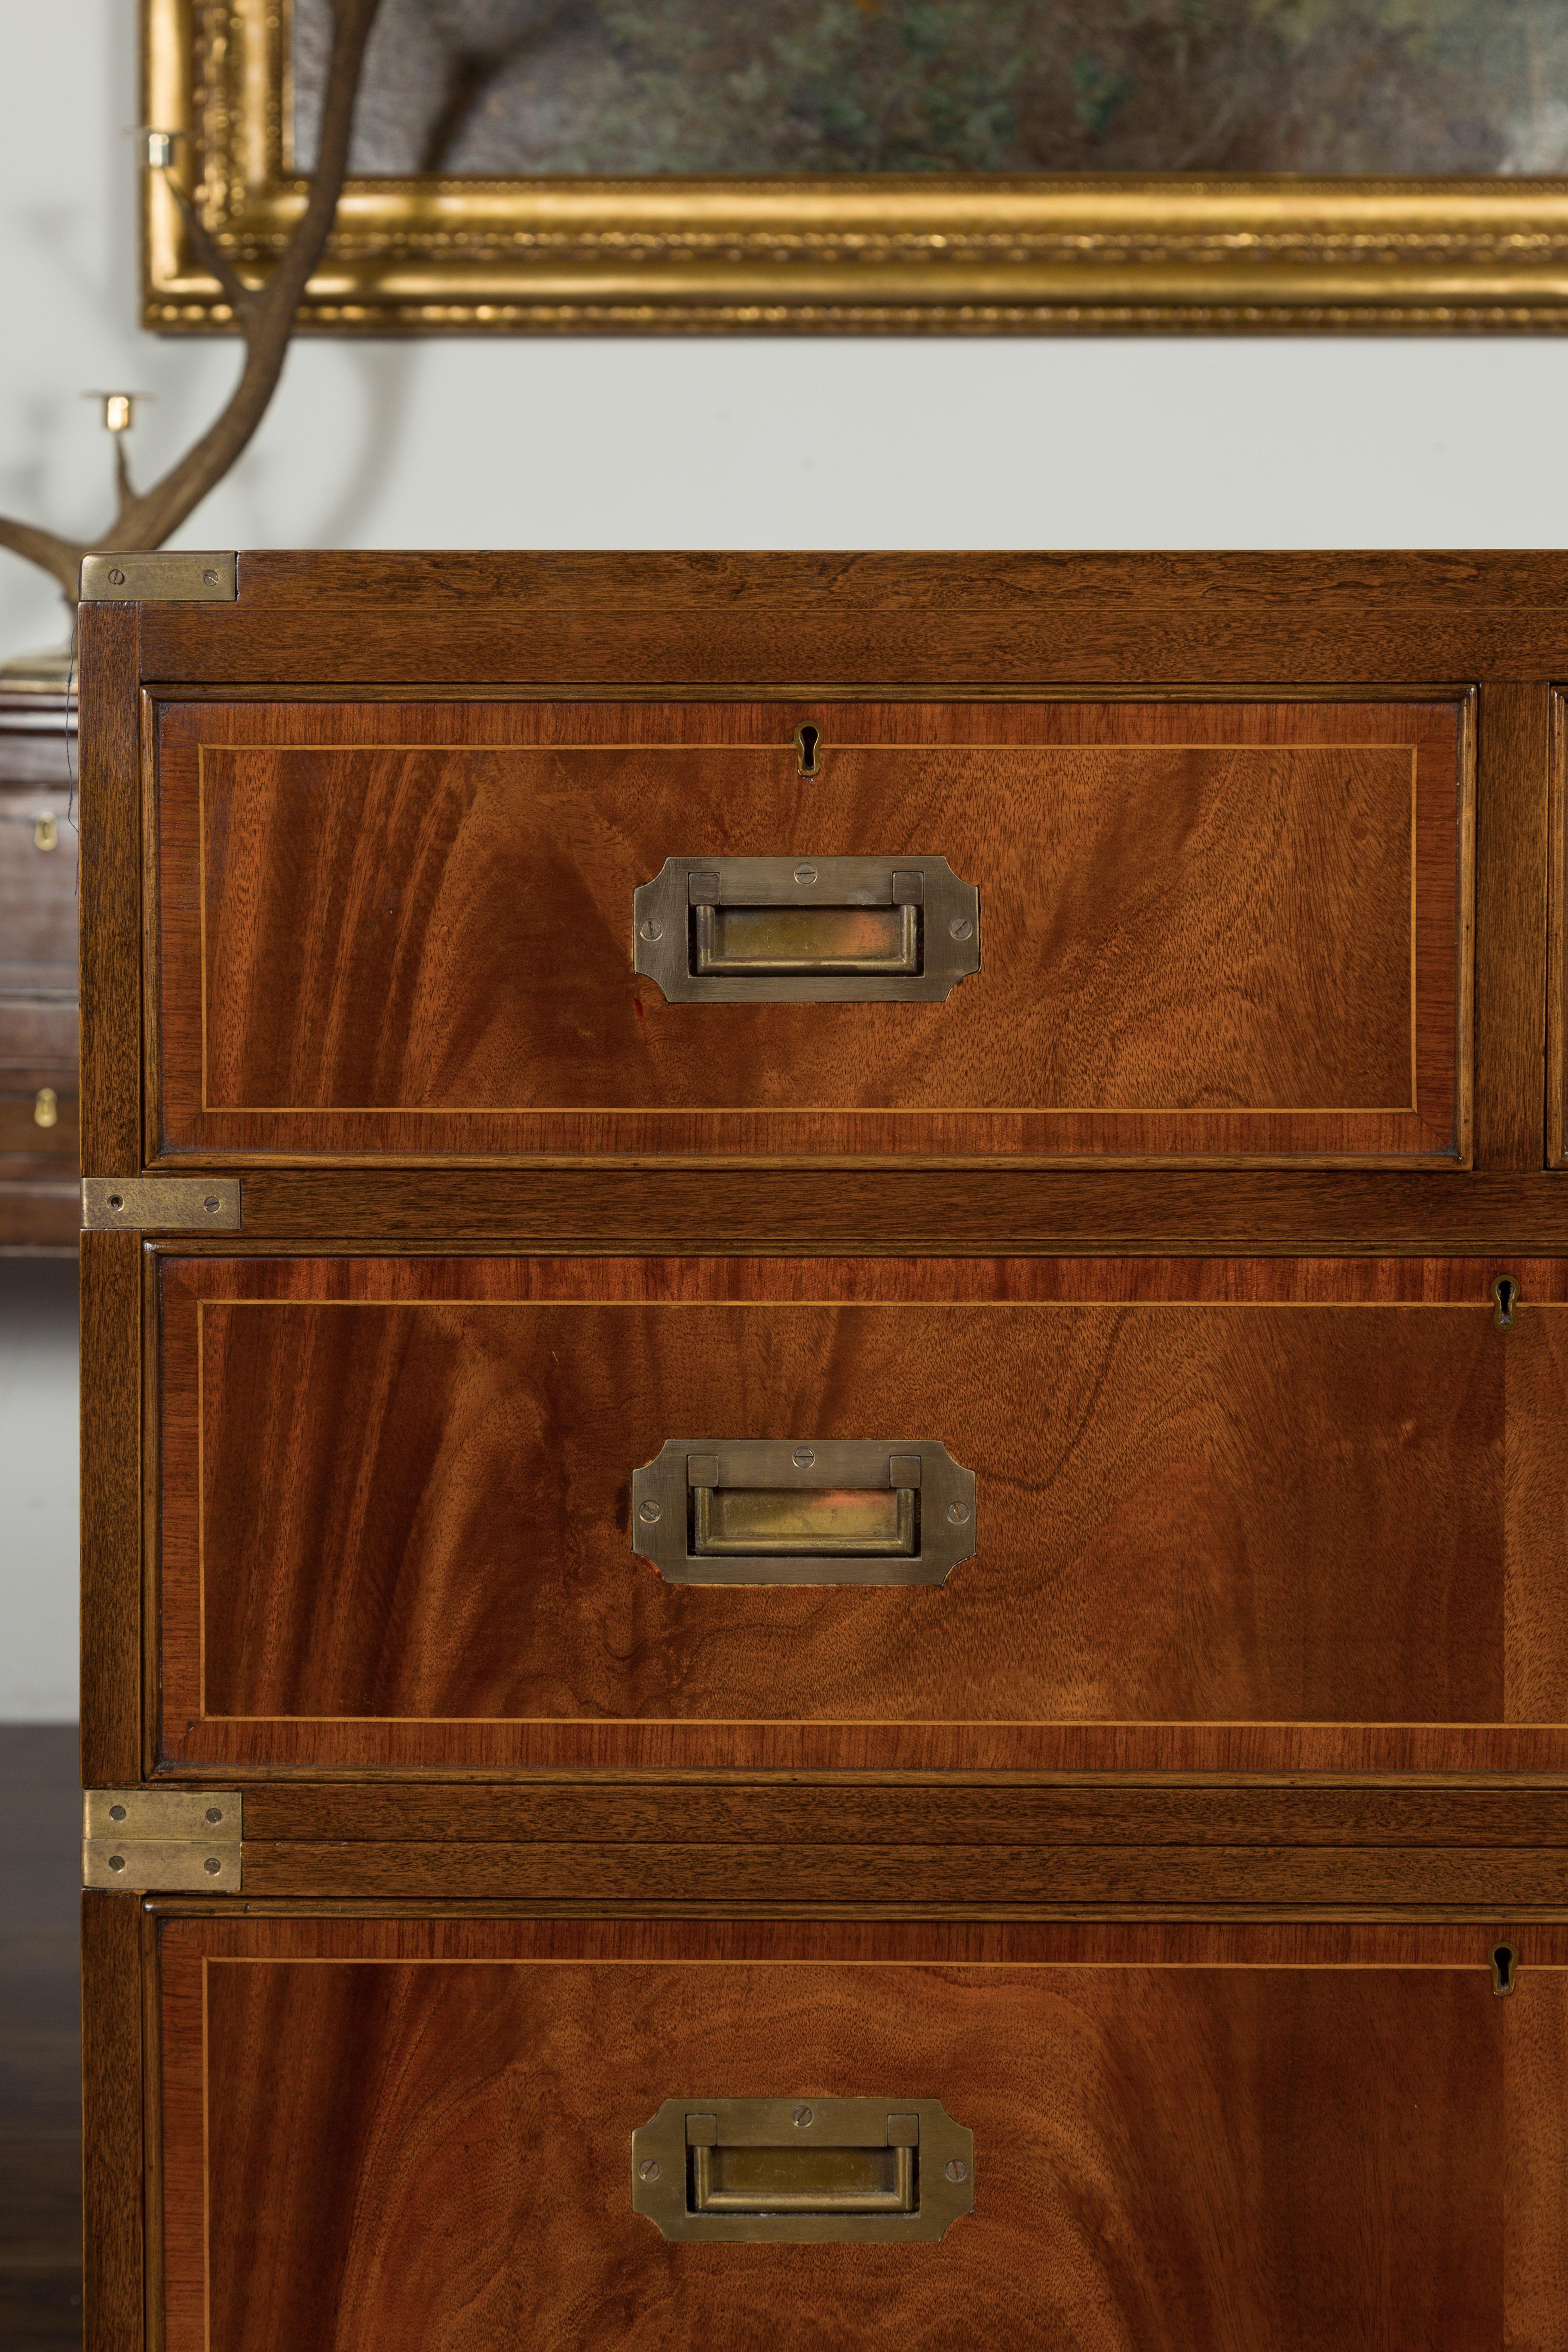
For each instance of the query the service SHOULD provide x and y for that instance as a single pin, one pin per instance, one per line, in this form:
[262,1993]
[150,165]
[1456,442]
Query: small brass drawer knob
[45,831]
[46,1107]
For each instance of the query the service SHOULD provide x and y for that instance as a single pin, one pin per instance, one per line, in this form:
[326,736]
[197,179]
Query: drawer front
[38,1113]
[38,888]
[1249,1513]
[36,1027]
[1205,2137]
[1233,931]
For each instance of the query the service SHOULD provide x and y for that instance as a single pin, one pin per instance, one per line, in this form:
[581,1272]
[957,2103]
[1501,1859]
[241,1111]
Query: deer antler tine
[60,556]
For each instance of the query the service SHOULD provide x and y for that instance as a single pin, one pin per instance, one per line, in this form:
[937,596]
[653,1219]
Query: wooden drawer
[1219,929]
[38,1113]
[36,1027]
[38,887]
[1228,1513]
[418,2131]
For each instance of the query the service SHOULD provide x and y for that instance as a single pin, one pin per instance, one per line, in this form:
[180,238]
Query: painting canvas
[493,88]
[958,166]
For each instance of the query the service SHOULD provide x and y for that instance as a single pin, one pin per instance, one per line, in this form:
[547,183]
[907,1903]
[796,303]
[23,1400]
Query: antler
[265,315]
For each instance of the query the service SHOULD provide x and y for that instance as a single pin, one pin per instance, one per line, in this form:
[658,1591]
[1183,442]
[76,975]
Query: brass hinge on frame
[164,577]
[185,1204]
[163,1841]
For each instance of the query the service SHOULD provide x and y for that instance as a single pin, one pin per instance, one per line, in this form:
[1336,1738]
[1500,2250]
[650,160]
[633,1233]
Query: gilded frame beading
[921,255]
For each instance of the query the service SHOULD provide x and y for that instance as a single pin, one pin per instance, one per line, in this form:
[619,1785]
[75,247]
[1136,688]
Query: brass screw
[649,2168]
[215,1813]
[957,1514]
[958,2170]
[116,1813]
[803,1457]
[211,1865]
[117,1862]
[652,930]
[46,1107]
[802,2116]
[211,1202]
[117,578]
[648,1511]
[961,926]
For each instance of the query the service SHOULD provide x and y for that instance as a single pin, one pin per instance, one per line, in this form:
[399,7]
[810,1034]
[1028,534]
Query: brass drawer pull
[800,931]
[795,1511]
[803,2169]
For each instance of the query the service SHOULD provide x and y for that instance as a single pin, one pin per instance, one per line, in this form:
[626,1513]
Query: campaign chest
[825,1499]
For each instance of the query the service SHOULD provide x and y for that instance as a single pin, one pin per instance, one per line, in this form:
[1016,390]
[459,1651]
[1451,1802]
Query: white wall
[680,444]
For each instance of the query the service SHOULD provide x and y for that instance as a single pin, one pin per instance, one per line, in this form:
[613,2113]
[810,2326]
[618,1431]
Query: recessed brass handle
[804,1511]
[807,2168]
[799,930]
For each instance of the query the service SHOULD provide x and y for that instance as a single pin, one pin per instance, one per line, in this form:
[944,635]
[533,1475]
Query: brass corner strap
[163,1841]
[184,1205]
[163,576]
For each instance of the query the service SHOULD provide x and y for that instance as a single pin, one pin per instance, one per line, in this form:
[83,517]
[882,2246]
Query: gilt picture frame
[935,250]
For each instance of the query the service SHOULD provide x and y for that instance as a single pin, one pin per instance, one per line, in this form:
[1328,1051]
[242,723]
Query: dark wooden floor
[40,2038]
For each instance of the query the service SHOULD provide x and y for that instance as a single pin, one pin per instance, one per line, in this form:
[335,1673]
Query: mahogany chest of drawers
[825,1494]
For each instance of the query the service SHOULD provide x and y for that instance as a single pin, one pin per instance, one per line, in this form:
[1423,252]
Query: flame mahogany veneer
[1230,1512]
[1207,2138]
[1209,929]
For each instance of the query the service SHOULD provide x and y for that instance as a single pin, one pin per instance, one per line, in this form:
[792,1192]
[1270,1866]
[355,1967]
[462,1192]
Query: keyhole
[1505,1968]
[806,740]
[1505,1299]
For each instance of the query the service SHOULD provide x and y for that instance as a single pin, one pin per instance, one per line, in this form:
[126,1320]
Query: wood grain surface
[1238,1493]
[455,619]
[1556,1043]
[990,1809]
[926,1881]
[1306,2137]
[114,2244]
[109,879]
[1515,729]
[1235,929]
[813,1208]
[112,1502]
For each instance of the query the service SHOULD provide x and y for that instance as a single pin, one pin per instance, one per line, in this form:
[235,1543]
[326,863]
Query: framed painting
[967,166]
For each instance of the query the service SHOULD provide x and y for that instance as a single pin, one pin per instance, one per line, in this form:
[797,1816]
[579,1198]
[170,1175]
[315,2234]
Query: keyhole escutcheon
[1505,1968]
[807,744]
[1505,1299]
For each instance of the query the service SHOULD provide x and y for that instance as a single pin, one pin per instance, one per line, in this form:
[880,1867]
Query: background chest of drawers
[38,1194]
[825,1465]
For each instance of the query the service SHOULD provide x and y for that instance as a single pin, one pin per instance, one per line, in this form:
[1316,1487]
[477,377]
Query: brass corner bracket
[163,1841]
[182,1204]
[164,577]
